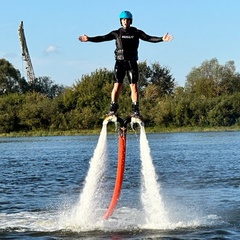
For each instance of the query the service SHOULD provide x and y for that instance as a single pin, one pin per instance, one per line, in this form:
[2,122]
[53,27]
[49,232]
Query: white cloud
[51,49]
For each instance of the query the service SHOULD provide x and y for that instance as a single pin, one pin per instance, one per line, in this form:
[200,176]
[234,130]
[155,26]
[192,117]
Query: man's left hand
[167,37]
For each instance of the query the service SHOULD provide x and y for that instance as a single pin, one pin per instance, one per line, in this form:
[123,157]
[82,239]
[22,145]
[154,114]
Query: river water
[176,186]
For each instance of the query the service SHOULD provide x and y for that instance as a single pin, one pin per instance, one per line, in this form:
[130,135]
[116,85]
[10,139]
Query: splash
[86,215]
[83,214]
[156,214]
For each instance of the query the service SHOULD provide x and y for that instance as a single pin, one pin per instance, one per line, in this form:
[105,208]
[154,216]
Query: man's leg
[116,91]
[133,79]
[114,96]
[135,103]
[134,92]
[119,73]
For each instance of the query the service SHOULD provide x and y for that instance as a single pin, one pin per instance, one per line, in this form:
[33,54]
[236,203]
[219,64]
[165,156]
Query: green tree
[226,111]
[163,112]
[158,85]
[10,78]
[92,92]
[37,112]
[162,78]
[46,86]
[144,76]
[9,107]
[212,79]
[231,83]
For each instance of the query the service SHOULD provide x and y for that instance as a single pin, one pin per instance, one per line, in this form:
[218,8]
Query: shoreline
[45,133]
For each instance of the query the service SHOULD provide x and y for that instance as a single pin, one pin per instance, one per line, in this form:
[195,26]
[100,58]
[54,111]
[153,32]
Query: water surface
[42,180]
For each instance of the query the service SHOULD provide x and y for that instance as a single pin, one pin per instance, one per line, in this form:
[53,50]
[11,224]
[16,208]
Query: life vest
[127,43]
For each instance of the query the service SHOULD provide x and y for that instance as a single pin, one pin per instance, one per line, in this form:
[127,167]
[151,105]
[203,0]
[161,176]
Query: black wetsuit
[126,52]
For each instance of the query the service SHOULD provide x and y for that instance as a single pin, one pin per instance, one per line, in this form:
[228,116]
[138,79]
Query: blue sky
[202,29]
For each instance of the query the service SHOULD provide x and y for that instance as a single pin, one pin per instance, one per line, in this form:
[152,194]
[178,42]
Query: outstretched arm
[108,37]
[145,37]
[167,37]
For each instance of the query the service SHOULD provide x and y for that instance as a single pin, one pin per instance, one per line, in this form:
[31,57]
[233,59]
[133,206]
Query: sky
[202,30]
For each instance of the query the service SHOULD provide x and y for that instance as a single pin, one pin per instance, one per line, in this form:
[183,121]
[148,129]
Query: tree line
[210,98]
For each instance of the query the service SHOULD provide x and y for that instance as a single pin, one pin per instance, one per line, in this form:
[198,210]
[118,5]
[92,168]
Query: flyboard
[121,156]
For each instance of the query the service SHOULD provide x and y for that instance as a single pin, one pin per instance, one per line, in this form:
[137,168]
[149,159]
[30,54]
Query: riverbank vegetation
[209,100]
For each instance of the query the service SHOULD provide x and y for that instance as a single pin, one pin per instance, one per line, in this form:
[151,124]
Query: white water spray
[156,215]
[89,199]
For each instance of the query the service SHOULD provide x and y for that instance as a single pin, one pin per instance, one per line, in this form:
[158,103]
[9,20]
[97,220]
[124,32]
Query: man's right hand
[83,38]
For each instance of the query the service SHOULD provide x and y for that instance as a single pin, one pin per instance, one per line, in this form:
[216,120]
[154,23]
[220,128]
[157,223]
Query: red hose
[119,176]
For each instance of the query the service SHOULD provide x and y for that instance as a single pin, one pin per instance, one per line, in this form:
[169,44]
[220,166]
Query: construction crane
[25,53]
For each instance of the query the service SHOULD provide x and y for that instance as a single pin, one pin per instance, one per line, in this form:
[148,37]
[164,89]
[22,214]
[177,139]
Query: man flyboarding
[126,56]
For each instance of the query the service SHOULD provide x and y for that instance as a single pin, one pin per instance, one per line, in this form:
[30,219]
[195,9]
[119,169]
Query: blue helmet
[126,14]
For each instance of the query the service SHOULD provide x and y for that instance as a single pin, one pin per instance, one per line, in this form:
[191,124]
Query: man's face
[126,22]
